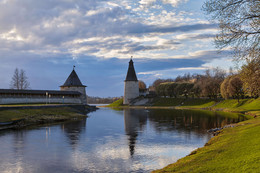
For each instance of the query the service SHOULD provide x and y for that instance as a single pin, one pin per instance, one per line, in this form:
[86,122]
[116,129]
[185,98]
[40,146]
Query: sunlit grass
[116,103]
[233,150]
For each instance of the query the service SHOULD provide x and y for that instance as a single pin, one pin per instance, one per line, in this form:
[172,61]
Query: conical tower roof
[73,80]
[131,76]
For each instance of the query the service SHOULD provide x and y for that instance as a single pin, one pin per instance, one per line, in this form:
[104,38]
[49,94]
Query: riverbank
[245,106]
[235,149]
[20,116]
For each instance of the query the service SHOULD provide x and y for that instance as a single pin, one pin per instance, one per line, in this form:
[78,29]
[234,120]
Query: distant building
[71,92]
[131,89]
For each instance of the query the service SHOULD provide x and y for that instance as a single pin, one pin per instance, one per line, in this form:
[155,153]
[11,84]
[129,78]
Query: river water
[127,140]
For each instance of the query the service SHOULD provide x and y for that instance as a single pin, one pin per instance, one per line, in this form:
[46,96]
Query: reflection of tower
[131,84]
[73,131]
[134,122]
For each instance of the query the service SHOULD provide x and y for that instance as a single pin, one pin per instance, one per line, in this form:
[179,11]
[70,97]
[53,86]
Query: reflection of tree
[135,120]
[187,120]
[73,130]
[19,142]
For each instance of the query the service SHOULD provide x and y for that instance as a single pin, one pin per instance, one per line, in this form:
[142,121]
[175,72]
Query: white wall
[82,90]
[39,100]
[131,91]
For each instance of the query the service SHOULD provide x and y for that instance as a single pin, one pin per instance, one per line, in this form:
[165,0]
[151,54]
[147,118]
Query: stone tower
[131,84]
[73,83]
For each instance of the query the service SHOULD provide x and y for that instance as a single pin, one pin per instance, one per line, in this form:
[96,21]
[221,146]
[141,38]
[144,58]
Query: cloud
[103,29]
[62,32]
[149,3]
[195,36]
[174,3]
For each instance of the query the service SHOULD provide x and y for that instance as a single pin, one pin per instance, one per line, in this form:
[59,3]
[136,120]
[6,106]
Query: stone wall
[17,100]
[131,91]
[81,89]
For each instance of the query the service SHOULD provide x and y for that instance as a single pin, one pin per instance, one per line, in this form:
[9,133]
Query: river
[126,140]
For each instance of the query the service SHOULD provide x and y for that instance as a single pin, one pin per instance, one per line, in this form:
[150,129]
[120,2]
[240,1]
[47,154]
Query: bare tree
[15,80]
[24,84]
[19,80]
[239,23]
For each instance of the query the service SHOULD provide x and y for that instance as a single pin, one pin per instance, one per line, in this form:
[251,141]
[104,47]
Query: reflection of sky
[99,145]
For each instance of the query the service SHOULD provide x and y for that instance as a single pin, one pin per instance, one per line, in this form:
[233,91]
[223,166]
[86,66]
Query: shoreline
[18,117]
[231,146]
[202,159]
[245,106]
[249,113]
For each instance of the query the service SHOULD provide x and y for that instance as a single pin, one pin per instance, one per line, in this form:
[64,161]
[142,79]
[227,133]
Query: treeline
[215,83]
[99,100]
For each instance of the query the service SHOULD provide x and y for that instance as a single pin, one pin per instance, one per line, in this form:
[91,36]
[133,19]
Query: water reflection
[135,120]
[73,130]
[129,140]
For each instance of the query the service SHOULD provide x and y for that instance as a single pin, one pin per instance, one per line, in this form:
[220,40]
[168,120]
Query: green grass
[199,103]
[117,103]
[250,106]
[233,150]
[43,113]
[168,101]
[244,104]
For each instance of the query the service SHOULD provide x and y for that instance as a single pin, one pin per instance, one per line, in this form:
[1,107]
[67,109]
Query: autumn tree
[239,23]
[19,80]
[235,87]
[224,88]
[250,75]
[159,81]
[209,84]
[141,84]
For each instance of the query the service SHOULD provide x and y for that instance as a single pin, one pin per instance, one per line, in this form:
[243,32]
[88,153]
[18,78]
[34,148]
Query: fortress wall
[131,91]
[14,100]
[82,90]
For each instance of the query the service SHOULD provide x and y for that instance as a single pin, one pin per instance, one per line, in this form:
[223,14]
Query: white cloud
[174,3]
[105,29]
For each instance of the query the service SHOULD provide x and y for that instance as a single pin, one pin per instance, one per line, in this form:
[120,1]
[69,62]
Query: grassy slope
[251,106]
[199,103]
[117,103]
[36,114]
[233,150]
[168,101]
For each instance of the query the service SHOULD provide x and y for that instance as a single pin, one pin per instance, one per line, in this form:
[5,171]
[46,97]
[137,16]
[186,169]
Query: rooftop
[131,76]
[73,80]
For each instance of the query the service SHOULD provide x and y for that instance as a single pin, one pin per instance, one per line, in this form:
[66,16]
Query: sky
[46,38]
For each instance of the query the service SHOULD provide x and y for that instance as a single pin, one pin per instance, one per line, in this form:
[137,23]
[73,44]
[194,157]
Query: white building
[131,89]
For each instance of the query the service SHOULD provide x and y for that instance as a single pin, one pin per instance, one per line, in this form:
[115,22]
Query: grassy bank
[26,117]
[117,103]
[55,113]
[233,150]
[249,106]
